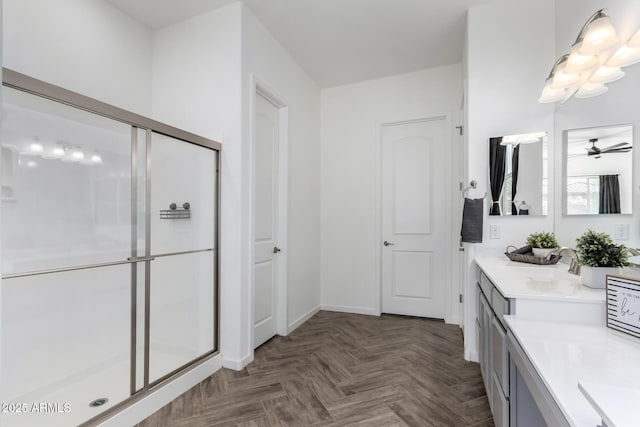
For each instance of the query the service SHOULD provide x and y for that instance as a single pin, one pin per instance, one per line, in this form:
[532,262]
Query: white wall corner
[296,323]
[237,364]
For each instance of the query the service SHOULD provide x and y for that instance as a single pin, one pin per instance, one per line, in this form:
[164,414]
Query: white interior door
[265,202]
[415,252]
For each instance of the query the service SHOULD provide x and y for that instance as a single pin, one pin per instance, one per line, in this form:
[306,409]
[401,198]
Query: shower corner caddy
[176,213]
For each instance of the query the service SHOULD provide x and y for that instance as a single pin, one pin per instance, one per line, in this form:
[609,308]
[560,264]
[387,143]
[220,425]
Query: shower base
[69,405]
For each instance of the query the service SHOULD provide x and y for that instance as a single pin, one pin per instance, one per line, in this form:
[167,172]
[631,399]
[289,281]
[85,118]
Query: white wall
[267,63]
[351,115]
[196,86]
[510,50]
[87,46]
[620,105]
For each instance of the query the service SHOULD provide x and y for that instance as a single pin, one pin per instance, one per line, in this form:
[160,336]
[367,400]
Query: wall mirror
[598,170]
[518,176]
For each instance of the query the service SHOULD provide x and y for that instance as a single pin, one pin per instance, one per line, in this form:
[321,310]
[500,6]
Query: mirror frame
[565,166]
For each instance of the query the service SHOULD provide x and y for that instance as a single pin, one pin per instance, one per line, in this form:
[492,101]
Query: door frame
[449,308]
[258,87]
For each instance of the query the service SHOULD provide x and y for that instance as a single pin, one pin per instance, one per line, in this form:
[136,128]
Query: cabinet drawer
[486,285]
[500,405]
[499,355]
[500,305]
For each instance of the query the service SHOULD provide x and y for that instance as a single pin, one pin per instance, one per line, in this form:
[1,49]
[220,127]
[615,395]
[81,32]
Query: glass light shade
[600,37]
[577,63]
[562,79]
[589,90]
[634,41]
[607,75]
[525,138]
[57,152]
[550,95]
[624,57]
[76,155]
[36,148]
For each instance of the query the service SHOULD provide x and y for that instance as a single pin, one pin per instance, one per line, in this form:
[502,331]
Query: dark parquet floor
[343,370]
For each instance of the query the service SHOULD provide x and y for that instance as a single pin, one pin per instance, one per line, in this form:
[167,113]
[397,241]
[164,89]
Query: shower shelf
[175,214]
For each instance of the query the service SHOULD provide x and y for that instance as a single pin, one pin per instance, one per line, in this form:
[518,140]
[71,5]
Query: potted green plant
[599,257]
[542,243]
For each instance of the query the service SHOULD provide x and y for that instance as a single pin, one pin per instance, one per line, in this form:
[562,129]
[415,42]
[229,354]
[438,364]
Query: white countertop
[612,403]
[531,281]
[596,356]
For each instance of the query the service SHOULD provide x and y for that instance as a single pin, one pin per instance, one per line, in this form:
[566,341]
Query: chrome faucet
[632,251]
[574,267]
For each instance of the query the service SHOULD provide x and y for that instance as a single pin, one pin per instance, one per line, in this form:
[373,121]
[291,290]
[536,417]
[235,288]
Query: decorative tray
[525,254]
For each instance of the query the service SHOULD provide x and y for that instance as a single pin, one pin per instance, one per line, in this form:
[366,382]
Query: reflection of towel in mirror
[472,220]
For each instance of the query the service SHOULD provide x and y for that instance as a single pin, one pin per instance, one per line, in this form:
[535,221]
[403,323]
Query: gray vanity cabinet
[492,347]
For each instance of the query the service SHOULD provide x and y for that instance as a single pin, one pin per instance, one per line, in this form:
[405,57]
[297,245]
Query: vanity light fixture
[595,59]
[525,138]
[35,148]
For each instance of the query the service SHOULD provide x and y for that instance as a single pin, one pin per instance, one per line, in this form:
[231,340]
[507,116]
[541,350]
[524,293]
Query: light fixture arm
[599,14]
[560,60]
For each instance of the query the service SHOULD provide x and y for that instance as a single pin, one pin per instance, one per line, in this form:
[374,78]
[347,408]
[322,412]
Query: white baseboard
[296,323]
[348,309]
[165,394]
[237,364]
[471,356]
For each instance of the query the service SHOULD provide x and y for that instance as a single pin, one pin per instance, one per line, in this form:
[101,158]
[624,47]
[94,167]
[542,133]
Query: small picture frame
[623,304]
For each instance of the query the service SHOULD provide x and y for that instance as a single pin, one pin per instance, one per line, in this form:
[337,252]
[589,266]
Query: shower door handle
[140,259]
[276,249]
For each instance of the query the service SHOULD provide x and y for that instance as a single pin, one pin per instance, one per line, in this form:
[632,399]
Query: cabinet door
[486,343]
[500,404]
[480,325]
[499,355]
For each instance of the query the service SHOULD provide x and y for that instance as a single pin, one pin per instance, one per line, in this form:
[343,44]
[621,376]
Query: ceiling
[341,41]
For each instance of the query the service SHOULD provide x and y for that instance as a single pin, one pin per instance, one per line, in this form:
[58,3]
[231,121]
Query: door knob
[388,243]
[276,249]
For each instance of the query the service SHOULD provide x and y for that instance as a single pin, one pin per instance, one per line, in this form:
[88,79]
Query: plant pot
[596,277]
[542,252]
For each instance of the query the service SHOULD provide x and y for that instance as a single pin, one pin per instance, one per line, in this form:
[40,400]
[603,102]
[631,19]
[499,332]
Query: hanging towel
[472,220]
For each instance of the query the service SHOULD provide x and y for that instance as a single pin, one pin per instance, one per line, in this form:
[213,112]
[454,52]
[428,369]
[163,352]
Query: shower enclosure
[109,254]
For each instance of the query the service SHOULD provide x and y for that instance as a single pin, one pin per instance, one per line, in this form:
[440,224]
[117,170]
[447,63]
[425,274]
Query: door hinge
[461,129]
[460,298]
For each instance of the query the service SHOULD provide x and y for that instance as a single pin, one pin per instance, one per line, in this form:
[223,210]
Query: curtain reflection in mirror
[496,173]
[609,194]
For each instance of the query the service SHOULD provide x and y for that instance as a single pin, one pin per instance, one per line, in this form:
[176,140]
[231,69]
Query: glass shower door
[109,263]
[182,219]
[66,237]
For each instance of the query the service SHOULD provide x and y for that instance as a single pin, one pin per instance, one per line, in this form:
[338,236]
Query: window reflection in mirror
[518,174]
[599,170]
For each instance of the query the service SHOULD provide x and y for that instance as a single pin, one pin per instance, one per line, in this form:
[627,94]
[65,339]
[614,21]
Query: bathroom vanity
[545,354]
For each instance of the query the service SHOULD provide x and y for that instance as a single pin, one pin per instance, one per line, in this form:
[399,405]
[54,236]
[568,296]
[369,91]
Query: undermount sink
[542,273]
[545,279]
